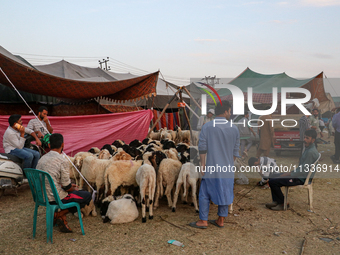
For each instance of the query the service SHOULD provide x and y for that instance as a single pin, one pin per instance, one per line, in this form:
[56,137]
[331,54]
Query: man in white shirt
[41,126]
[13,142]
[204,119]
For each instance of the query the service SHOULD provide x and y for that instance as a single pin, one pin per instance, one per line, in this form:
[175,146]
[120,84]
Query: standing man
[13,142]
[204,119]
[336,125]
[57,166]
[266,136]
[314,122]
[297,176]
[245,134]
[218,146]
[303,126]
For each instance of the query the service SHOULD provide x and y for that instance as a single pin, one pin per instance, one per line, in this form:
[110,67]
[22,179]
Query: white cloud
[201,55]
[320,3]
[253,3]
[292,21]
[322,56]
[205,40]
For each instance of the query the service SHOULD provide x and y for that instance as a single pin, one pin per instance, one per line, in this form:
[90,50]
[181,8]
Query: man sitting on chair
[57,166]
[297,176]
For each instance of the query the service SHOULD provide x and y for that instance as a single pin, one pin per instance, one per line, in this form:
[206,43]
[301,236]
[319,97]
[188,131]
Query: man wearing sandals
[57,166]
[218,147]
[297,176]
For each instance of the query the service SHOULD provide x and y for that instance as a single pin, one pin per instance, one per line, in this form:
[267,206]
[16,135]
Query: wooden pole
[186,90]
[186,116]
[166,106]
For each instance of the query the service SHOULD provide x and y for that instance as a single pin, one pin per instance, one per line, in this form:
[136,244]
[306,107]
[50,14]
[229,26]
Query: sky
[182,39]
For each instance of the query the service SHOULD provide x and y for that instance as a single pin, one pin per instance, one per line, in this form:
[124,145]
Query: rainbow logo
[209,93]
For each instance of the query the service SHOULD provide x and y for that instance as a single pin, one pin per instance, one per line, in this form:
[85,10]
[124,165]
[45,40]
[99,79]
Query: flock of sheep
[150,167]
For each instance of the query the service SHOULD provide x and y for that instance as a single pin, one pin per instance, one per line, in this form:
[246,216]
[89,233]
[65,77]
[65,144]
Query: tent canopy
[29,79]
[263,84]
[71,71]
[64,69]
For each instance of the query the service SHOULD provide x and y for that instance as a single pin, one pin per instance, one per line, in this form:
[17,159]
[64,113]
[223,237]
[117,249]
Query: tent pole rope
[136,106]
[31,111]
[330,83]
[193,112]
[187,91]
[168,86]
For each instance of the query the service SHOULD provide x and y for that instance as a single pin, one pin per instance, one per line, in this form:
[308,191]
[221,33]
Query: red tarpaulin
[83,132]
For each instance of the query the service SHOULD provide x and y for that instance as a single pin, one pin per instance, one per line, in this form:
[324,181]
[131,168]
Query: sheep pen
[251,229]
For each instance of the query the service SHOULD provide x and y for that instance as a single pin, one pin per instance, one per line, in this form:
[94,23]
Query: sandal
[265,186]
[215,223]
[194,225]
[260,183]
[63,226]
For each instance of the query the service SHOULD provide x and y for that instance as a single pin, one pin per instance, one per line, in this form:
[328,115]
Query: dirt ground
[250,229]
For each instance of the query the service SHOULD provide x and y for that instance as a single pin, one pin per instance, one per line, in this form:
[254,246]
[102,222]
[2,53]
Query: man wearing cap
[204,119]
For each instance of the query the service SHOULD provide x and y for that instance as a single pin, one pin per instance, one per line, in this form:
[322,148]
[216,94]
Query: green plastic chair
[36,180]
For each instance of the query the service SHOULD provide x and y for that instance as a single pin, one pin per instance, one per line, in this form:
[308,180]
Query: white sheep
[79,158]
[171,153]
[121,172]
[87,210]
[146,180]
[93,170]
[121,155]
[104,154]
[73,172]
[183,136]
[122,210]
[173,134]
[155,135]
[188,176]
[167,175]
[195,137]
[165,135]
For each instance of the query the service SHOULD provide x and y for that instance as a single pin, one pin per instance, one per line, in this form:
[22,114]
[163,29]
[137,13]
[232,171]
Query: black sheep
[108,147]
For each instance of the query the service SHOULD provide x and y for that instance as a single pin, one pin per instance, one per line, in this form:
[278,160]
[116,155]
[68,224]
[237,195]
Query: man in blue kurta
[218,146]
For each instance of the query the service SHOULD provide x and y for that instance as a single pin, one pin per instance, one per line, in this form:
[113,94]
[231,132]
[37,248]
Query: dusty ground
[250,229]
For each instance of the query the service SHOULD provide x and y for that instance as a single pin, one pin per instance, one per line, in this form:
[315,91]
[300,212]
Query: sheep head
[78,162]
[104,154]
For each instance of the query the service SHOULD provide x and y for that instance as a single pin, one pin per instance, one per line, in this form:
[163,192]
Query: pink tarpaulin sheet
[83,132]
